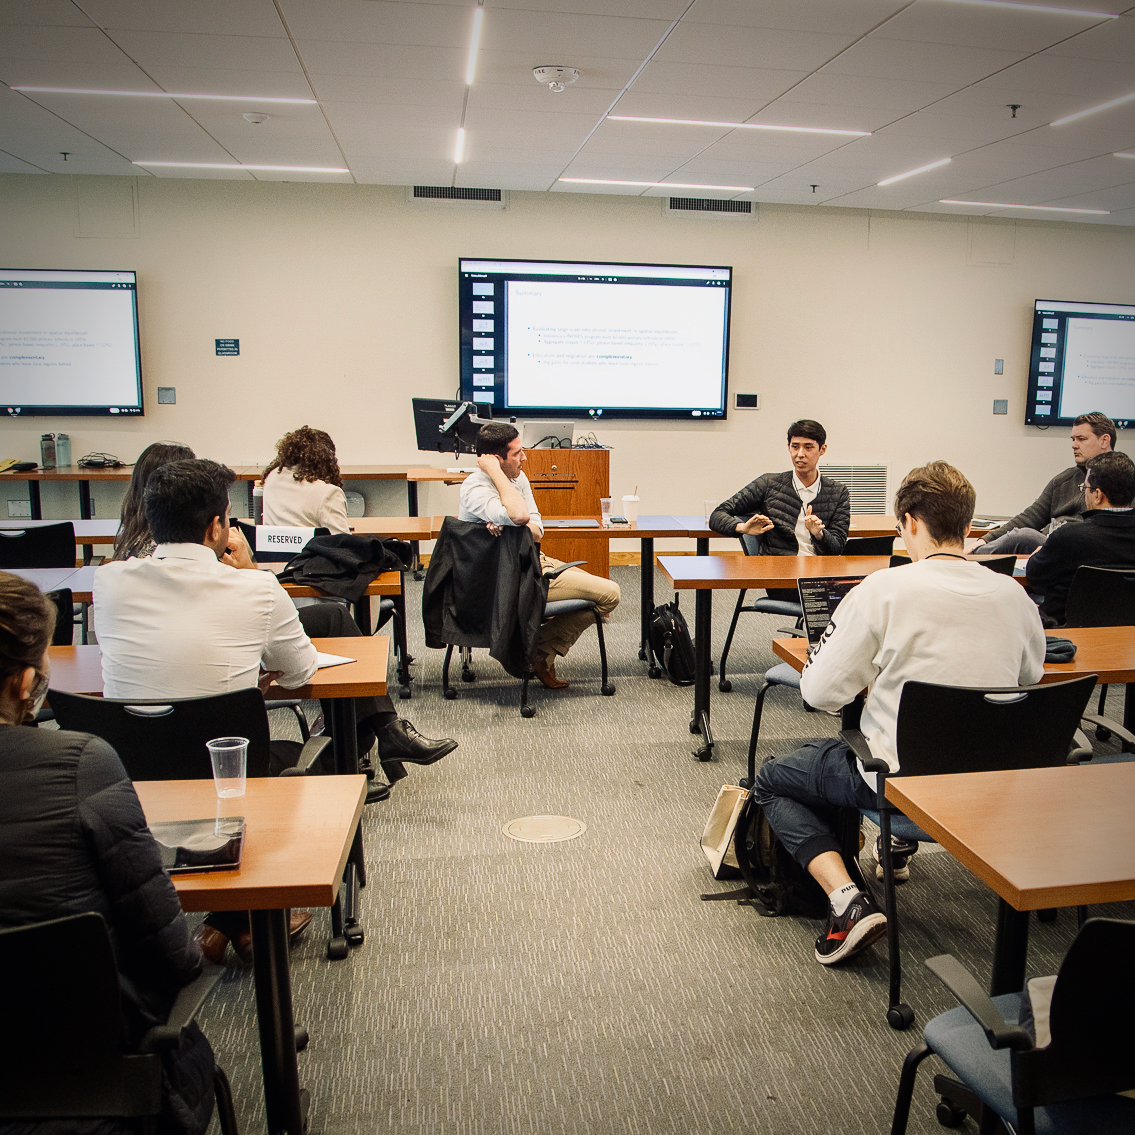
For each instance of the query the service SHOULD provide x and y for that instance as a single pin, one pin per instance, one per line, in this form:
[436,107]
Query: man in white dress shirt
[499,496]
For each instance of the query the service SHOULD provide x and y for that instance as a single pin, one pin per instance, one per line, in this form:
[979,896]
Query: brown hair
[134,534]
[939,496]
[1100,424]
[496,437]
[27,620]
[309,454]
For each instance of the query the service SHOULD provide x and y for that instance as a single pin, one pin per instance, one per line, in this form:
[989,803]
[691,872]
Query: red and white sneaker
[860,924]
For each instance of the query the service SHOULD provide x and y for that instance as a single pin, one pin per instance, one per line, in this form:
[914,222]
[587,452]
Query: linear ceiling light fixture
[1093,110]
[474,43]
[657,184]
[161,95]
[912,172]
[738,125]
[1124,155]
[1039,8]
[234,165]
[459,148]
[1039,208]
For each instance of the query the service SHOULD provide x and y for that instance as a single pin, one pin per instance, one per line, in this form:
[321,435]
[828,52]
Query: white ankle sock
[841,899]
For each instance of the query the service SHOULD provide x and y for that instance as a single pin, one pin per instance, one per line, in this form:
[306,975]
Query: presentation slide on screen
[573,344]
[1099,368]
[67,347]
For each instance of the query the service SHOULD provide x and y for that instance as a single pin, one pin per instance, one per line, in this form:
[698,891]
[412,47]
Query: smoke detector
[556,78]
[256,117]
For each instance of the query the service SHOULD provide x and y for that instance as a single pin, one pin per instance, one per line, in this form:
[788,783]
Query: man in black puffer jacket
[797,513]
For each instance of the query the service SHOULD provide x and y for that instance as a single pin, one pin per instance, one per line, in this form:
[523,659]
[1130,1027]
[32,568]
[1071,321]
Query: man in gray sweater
[1063,497]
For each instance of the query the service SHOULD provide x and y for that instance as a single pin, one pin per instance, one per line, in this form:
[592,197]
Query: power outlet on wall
[20,509]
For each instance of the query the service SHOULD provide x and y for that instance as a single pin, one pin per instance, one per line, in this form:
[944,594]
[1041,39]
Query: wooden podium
[569,482]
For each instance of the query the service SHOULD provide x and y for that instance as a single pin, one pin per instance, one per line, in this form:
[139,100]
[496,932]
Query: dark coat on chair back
[774,495]
[72,839]
[483,590]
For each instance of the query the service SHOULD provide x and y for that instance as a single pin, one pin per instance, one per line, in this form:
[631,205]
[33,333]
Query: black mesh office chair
[46,546]
[165,740]
[1067,1084]
[62,1043]
[752,545]
[957,729]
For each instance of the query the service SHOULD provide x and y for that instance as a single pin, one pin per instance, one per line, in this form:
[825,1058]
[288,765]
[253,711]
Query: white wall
[884,326]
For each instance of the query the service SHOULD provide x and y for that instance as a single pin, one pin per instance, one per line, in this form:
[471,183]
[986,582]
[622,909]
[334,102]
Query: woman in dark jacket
[72,839]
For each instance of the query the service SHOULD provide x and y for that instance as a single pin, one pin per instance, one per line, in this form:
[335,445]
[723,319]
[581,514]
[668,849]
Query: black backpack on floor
[670,640]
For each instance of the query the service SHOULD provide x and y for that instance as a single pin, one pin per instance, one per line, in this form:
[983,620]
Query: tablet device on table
[190,847]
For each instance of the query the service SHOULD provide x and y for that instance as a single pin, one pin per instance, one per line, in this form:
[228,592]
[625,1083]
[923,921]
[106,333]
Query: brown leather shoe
[212,942]
[546,672]
[298,922]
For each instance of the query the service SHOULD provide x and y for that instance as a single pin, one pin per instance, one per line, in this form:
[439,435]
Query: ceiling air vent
[455,193]
[707,207]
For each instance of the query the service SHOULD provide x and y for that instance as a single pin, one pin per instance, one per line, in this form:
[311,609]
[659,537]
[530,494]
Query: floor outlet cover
[544,829]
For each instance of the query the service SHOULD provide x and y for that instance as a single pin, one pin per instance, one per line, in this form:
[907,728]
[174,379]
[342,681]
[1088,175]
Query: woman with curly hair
[134,537]
[302,486]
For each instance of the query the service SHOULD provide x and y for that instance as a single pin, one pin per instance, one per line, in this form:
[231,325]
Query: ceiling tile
[590,101]
[12,164]
[515,67]
[344,114]
[58,45]
[756,86]
[116,75]
[1113,41]
[388,91]
[421,25]
[219,17]
[689,104]
[732,46]
[922,62]
[322,57]
[568,36]
[404,171]
[899,96]
[839,17]
[1084,81]
[233,81]
[42,13]
[508,175]
[648,9]
[182,49]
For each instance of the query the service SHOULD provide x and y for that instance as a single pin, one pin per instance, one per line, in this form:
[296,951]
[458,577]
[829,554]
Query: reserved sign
[277,538]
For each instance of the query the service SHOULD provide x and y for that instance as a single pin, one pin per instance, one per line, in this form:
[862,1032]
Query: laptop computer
[818,600]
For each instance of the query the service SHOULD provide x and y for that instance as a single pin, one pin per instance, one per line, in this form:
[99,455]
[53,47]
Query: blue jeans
[820,774]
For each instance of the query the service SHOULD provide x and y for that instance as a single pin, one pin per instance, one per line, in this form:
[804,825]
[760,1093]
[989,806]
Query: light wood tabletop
[1039,838]
[689,573]
[396,527]
[298,832]
[388,583]
[78,669]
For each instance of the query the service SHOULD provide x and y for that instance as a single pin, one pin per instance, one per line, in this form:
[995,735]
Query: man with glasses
[499,496]
[1062,499]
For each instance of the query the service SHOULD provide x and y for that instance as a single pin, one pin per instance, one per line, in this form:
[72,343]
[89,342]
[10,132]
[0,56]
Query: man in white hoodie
[941,619]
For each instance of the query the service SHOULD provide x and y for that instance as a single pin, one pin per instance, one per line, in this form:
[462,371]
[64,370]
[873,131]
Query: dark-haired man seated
[941,618]
[499,495]
[1105,538]
[183,623]
[798,512]
[1061,500]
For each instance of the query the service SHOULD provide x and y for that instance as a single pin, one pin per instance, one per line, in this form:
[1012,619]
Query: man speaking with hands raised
[796,513]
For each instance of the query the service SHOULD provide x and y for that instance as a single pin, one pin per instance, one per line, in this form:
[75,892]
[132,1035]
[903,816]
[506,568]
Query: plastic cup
[605,507]
[710,506]
[230,762]
[630,508]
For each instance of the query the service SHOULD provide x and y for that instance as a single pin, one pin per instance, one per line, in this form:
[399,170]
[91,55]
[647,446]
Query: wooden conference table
[78,670]
[298,834]
[705,574]
[1039,838]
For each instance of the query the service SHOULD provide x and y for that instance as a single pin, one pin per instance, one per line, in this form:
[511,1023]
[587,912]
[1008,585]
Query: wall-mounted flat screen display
[557,338]
[69,343]
[1082,359]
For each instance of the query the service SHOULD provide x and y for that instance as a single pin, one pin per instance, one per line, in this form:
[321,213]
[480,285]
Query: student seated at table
[941,618]
[1105,538]
[184,622]
[134,537]
[1061,501]
[73,839]
[798,512]
[499,495]
[302,486]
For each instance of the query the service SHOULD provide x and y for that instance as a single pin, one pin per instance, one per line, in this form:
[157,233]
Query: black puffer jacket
[73,838]
[773,495]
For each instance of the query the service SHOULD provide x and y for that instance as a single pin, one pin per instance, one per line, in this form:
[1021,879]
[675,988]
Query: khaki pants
[559,634]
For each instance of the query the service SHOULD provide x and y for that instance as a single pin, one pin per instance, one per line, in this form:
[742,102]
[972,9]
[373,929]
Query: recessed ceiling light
[1040,208]
[1092,110]
[657,184]
[912,172]
[160,95]
[738,125]
[474,43]
[459,149]
[1038,8]
[233,165]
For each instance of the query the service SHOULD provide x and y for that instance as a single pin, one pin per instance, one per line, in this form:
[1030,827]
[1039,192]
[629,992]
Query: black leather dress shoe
[393,770]
[400,741]
[376,791]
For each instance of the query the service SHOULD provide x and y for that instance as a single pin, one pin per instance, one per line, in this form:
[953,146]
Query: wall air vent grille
[709,205]
[867,485]
[454,193]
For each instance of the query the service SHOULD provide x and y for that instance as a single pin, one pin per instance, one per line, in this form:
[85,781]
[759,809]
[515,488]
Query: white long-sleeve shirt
[949,621]
[180,623]
[481,501]
[304,504]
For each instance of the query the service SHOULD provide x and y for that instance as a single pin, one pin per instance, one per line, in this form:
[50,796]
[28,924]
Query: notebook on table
[818,600]
[192,846]
[569,522]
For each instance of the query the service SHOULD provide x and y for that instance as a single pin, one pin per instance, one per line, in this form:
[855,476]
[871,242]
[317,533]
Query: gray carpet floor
[582,988]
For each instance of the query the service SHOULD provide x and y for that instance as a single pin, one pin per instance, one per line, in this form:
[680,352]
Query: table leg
[362,615]
[250,498]
[35,508]
[412,510]
[699,723]
[1129,708]
[284,1103]
[646,602]
[401,646]
[344,740]
[85,500]
[1011,947]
